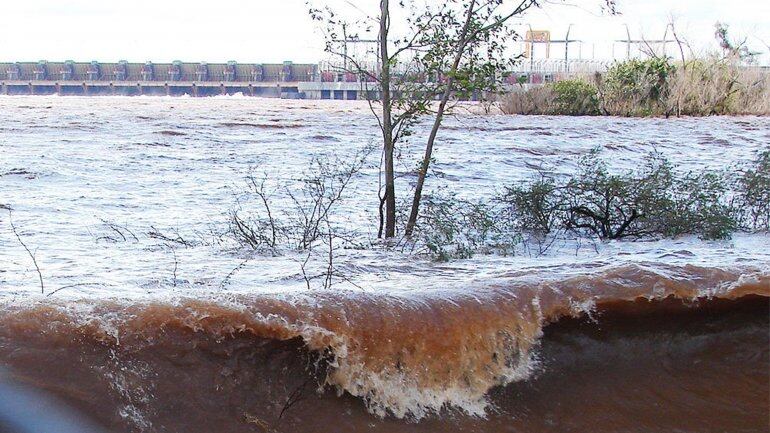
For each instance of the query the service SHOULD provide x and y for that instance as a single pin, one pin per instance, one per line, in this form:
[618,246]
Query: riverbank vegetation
[652,87]
[727,82]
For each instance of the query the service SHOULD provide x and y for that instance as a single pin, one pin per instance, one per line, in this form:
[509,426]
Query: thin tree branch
[31,255]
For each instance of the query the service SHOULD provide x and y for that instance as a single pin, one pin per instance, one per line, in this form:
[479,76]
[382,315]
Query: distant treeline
[652,87]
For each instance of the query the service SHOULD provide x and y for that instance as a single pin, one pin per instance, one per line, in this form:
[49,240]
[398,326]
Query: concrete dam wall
[285,80]
[173,79]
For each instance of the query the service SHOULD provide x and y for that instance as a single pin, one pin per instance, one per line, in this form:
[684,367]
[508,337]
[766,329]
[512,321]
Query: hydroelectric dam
[284,80]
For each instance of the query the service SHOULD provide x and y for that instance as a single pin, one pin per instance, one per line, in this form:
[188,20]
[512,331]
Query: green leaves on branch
[654,87]
[575,98]
[636,87]
[652,202]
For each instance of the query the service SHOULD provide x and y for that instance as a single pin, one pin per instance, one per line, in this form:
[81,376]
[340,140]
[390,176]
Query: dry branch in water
[29,252]
[298,216]
[122,233]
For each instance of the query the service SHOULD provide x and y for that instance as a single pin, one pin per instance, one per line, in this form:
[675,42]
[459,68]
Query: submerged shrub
[535,207]
[298,214]
[453,228]
[650,202]
[699,206]
[616,206]
[754,194]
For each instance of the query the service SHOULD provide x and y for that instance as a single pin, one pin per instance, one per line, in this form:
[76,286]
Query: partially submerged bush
[443,231]
[616,206]
[294,215]
[754,194]
[699,205]
[534,207]
[651,202]
[452,228]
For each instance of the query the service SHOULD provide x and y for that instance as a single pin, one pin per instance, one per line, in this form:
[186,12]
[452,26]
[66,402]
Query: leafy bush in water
[575,98]
[636,87]
[650,202]
[754,194]
[452,228]
[653,201]
[534,207]
[616,206]
[698,205]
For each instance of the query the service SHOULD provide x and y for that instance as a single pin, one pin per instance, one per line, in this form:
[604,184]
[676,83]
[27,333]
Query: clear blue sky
[277,30]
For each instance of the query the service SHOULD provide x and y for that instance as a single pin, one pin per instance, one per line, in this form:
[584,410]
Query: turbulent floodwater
[623,336]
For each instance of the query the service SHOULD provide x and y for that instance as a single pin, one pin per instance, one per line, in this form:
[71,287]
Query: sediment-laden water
[143,335]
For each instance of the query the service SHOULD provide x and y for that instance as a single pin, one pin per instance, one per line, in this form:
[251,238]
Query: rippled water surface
[149,335]
[68,166]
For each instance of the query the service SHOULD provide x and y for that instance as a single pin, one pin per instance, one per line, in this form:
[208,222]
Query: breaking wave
[403,356]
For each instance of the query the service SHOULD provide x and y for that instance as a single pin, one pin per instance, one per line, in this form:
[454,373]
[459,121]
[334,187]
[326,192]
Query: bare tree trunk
[387,123]
[437,124]
[426,163]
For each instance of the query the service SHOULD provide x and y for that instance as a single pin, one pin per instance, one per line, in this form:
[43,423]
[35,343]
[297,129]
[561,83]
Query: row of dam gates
[284,80]
[171,79]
